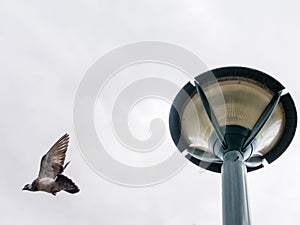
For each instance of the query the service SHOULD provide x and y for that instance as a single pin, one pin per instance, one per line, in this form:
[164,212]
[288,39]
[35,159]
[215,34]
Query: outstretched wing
[52,163]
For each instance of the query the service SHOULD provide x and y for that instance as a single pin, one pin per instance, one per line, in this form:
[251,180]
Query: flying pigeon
[50,178]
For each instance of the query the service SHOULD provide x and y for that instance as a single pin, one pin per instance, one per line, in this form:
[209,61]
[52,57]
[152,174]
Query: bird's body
[50,178]
[45,184]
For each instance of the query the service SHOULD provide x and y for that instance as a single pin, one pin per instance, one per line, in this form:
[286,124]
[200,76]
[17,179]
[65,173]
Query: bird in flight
[50,178]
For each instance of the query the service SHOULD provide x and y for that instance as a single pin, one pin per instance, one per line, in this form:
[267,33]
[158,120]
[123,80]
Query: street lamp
[230,121]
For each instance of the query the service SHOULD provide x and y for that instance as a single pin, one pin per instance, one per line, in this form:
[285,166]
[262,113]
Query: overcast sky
[45,50]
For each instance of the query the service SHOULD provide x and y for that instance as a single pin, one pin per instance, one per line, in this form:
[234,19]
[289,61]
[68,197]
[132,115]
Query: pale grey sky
[45,49]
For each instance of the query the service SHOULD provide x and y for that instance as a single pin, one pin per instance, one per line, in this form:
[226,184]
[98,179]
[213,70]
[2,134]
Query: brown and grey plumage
[50,178]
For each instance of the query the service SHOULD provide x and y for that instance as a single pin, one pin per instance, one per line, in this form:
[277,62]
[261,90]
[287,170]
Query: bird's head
[29,187]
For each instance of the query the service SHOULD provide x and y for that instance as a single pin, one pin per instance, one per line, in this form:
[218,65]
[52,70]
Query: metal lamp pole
[230,149]
[234,190]
[233,145]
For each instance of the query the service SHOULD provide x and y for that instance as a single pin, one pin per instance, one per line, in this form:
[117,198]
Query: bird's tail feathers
[66,184]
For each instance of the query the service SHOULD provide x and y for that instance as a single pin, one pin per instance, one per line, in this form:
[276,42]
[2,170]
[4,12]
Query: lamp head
[232,108]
